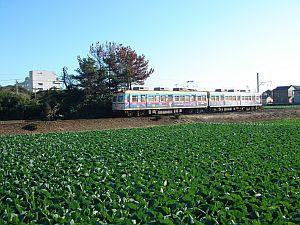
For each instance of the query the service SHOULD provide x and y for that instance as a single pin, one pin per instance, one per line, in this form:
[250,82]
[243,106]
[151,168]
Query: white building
[41,80]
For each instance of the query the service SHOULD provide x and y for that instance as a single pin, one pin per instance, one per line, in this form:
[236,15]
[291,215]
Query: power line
[11,79]
[11,74]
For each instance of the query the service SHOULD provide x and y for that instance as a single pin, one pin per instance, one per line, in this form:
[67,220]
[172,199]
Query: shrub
[156,117]
[175,116]
[30,126]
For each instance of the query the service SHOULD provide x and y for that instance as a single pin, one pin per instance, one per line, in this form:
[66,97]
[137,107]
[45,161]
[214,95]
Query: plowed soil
[15,127]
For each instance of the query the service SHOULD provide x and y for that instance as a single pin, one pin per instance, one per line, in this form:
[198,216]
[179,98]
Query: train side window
[150,98]
[120,98]
[170,98]
[204,98]
[212,98]
[134,98]
[163,98]
[217,98]
[114,98]
[199,98]
[176,98]
[222,97]
[128,98]
[193,98]
[187,98]
[239,98]
[181,98]
[157,98]
[143,98]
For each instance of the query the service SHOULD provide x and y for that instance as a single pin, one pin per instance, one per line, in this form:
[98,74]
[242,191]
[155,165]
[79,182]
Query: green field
[281,106]
[183,174]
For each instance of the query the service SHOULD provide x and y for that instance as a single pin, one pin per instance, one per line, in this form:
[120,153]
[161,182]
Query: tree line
[108,68]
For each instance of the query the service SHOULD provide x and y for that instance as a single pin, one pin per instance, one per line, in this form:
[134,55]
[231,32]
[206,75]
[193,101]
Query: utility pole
[17,87]
[258,83]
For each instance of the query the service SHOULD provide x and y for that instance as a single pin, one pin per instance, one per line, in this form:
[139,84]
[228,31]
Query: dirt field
[15,127]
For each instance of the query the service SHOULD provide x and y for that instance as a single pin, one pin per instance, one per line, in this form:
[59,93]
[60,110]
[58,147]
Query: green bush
[156,117]
[30,126]
[175,116]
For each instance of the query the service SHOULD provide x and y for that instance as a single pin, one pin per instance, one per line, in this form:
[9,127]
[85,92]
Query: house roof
[286,87]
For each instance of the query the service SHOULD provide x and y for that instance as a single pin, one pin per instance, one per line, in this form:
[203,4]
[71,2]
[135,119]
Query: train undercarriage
[149,112]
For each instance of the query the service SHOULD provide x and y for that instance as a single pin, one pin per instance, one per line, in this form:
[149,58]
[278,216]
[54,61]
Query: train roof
[166,92]
[162,92]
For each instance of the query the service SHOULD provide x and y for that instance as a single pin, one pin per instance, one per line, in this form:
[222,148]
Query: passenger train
[141,101]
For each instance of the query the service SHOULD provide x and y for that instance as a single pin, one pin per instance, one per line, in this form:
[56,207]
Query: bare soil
[15,127]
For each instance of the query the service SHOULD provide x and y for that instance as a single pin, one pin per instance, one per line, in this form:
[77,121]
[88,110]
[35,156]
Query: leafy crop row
[185,174]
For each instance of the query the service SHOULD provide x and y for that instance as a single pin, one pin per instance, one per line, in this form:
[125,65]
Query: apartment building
[41,80]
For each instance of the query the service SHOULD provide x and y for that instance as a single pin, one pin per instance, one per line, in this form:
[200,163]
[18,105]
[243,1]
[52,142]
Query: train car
[234,101]
[161,101]
[145,102]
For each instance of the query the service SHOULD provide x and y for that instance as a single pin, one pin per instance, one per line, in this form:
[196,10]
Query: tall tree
[90,78]
[125,66]
[67,78]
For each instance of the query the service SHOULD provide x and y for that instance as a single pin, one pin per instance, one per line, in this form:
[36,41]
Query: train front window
[120,98]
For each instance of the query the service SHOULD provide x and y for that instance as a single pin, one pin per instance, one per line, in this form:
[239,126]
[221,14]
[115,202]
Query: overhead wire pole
[258,83]
[187,83]
[17,87]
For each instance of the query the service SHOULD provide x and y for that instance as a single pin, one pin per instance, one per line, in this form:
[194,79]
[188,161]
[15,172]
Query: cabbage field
[183,174]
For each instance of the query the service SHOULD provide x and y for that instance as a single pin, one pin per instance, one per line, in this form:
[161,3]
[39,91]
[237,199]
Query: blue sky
[215,43]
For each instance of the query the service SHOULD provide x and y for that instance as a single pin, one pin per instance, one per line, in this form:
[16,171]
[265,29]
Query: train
[141,101]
